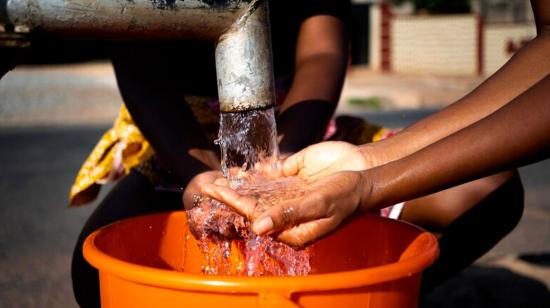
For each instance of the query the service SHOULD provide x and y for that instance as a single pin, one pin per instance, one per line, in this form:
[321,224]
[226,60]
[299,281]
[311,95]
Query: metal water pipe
[239,27]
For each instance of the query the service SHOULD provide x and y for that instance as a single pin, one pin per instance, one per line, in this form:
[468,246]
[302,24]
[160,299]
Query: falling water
[248,144]
[249,156]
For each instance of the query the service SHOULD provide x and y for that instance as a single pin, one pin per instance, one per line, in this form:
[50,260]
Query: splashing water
[248,144]
[249,154]
[231,248]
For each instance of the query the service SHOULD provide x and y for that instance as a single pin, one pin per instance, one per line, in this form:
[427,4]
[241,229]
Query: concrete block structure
[454,44]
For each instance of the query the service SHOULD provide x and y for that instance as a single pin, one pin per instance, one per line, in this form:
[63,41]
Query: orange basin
[154,261]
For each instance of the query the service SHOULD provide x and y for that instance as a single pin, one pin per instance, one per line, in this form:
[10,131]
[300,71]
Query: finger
[221,182]
[269,169]
[187,199]
[290,213]
[293,164]
[188,196]
[242,204]
[308,232]
[334,196]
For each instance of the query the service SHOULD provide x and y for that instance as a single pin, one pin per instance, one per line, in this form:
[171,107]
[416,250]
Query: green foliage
[369,102]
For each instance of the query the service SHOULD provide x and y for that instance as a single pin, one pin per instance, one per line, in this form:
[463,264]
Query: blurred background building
[439,37]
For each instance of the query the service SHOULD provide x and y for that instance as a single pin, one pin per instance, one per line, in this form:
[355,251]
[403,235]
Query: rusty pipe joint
[244,62]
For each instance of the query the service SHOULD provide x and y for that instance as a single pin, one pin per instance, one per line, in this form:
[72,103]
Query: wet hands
[324,158]
[333,192]
[327,202]
[194,187]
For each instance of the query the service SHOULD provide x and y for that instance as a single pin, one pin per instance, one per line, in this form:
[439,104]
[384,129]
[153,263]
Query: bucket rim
[170,279]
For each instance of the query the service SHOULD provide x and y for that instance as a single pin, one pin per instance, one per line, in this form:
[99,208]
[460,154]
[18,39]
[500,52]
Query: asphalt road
[37,229]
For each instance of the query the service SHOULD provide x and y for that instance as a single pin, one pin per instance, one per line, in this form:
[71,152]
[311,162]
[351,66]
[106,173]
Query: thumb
[293,164]
[288,214]
[308,232]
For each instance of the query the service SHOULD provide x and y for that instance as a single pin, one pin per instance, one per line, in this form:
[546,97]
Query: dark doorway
[360,34]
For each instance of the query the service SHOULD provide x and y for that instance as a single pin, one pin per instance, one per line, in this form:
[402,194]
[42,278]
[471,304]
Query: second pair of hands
[335,187]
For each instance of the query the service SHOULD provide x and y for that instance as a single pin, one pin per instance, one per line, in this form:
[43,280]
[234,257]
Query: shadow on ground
[482,287]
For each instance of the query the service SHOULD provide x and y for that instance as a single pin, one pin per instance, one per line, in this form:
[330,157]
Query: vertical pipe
[246,91]
[244,62]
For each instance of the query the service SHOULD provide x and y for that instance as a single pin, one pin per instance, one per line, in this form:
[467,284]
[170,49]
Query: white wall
[444,45]
[495,42]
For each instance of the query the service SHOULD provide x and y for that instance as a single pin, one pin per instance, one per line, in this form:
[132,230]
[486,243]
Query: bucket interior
[163,241]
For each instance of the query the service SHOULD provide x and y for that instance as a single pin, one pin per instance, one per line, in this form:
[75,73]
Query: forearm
[317,77]
[311,102]
[303,124]
[320,67]
[527,66]
[516,134]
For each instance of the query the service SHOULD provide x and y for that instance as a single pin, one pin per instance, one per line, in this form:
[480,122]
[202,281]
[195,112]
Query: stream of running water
[249,160]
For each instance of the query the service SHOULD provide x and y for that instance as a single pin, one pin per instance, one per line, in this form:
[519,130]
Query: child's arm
[528,66]
[515,135]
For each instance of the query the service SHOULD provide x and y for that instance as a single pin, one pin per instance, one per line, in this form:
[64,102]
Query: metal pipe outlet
[240,28]
[243,62]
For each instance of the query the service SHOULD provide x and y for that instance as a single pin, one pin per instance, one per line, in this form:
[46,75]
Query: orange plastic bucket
[153,261]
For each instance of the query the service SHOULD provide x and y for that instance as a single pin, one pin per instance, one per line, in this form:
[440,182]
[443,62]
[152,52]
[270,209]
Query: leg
[470,218]
[437,211]
[132,196]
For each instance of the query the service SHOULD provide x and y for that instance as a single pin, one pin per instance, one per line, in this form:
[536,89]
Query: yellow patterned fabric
[382,134]
[355,130]
[119,149]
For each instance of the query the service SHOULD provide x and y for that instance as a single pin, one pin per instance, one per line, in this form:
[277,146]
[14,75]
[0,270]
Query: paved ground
[59,95]
[390,91]
[38,163]
[37,229]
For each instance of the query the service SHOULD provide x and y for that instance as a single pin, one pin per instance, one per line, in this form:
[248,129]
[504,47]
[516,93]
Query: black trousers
[476,232]
[132,196]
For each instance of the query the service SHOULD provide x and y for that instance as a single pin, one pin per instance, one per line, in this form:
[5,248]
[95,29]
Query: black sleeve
[340,9]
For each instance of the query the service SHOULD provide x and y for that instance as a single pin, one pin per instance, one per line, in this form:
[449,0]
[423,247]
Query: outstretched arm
[528,66]
[514,135]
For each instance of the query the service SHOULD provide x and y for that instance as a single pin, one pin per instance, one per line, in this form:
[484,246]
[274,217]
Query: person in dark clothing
[158,80]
